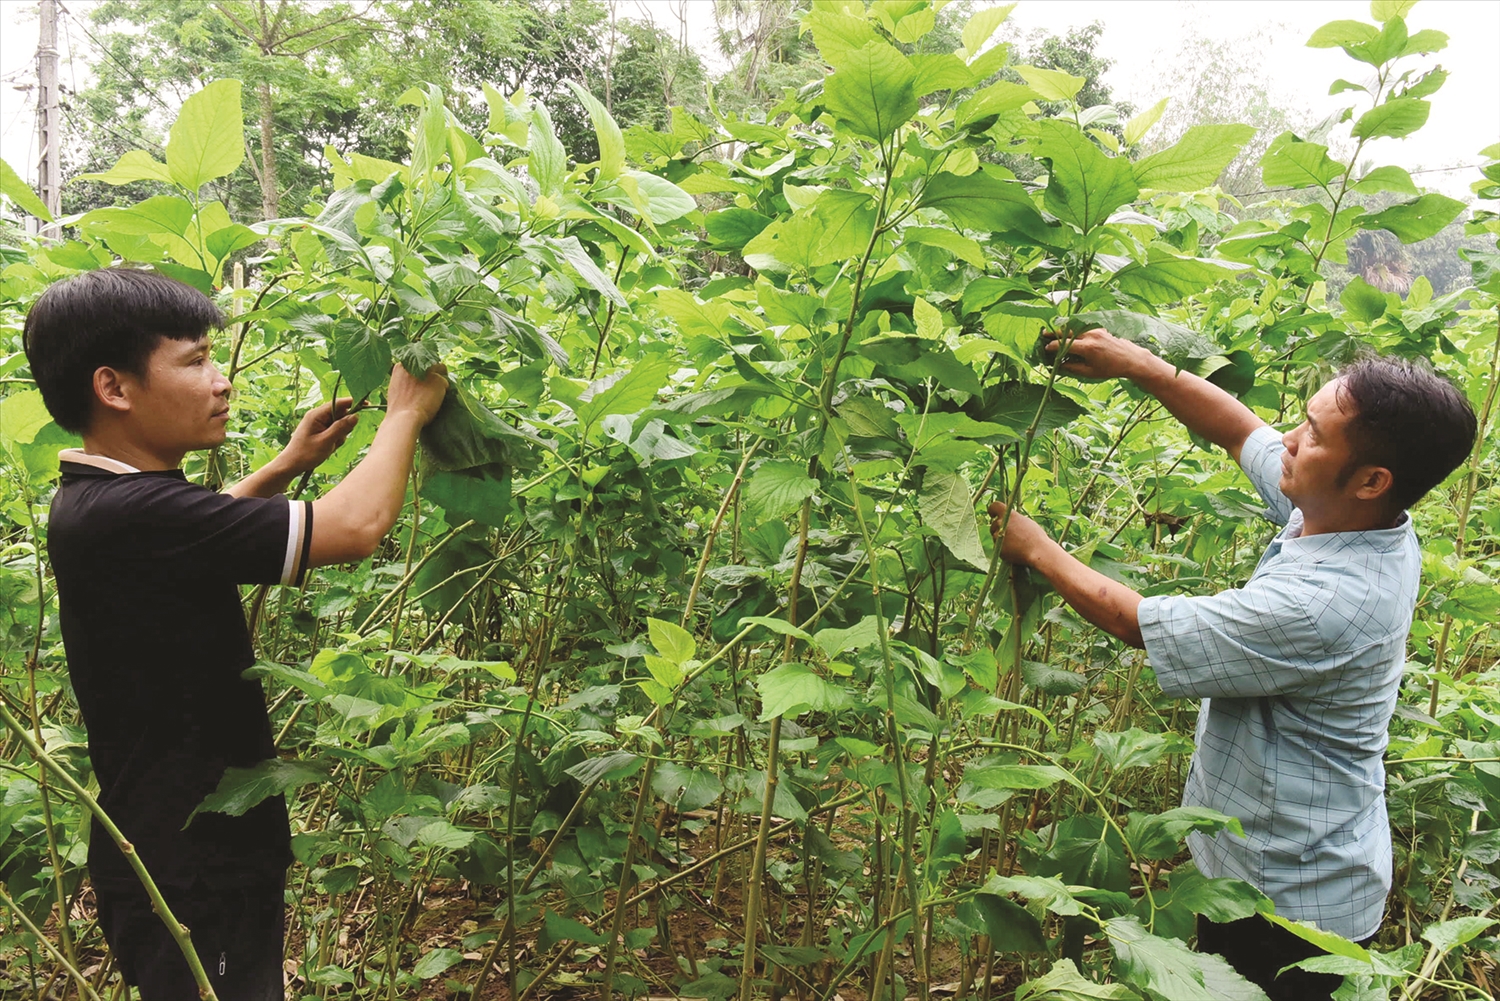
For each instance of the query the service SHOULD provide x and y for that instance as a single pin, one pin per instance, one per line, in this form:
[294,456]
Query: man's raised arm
[351,519]
[1204,408]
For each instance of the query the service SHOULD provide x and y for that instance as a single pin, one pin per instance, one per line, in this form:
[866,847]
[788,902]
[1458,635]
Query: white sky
[1140,36]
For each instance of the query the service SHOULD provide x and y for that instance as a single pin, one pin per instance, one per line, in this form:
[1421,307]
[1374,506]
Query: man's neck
[1327,522]
[109,443]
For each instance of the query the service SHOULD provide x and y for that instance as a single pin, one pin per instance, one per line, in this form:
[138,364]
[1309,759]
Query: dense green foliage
[692,639]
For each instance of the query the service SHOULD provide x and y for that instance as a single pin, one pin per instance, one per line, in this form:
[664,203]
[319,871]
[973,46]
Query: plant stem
[627,871]
[1471,487]
[758,866]
[179,931]
[84,986]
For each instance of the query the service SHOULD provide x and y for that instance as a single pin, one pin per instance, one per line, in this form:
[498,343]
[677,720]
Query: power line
[136,141]
[1420,170]
[104,50]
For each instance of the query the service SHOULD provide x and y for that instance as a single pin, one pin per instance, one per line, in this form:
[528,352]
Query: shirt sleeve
[1248,642]
[244,540]
[1260,458]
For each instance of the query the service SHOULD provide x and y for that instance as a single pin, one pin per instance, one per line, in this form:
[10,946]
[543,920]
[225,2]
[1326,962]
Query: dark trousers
[236,931]
[1257,949]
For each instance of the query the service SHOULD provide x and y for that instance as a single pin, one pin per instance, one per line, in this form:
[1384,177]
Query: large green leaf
[1291,163]
[1052,85]
[1163,966]
[1385,179]
[1194,161]
[914,359]
[1325,940]
[466,434]
[1395,118]
[1448,935]
[481,494]
[548,162]
[1015,405]
[941,71]
[981,25]
[1159,836]
[1087,853]
[732,228]
[1084,186]
[135,165]
[1171,279]
[946,504]
[1064,983]
[429,132]
[1416,220]
[777,488]
[240,789]
[1363,301]
[839,35]
[22,415]
[1224,982]
[362,356]
[873,92]
[656,198]
[1342,34]
[625,393]
[1017,776]
[18,191]
[1011,927]
[611,139]
[957,244]
[998,98]
[671,640]
[1176,344]
[845,221]
[208,138]
[573,252]
[685,788]
[1219,899]
[979,201]
[793,689]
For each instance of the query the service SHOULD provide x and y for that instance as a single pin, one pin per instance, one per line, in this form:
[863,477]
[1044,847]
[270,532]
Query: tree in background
[283,39]
[1213,81]
[154,53]
[652,72]
[767,51]
[330,74]
[459,45]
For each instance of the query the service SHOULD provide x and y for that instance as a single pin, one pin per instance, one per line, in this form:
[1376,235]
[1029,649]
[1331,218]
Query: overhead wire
[1419,170]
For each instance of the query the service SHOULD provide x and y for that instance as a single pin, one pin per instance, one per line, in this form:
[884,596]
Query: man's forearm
[1106,603]
[269,480]
[1205,409]
[351,519]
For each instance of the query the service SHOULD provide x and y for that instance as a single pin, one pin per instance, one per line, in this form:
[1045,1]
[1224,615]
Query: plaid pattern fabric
[1298,671]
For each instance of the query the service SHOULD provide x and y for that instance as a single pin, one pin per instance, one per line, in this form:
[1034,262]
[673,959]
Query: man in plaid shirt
[1299,669]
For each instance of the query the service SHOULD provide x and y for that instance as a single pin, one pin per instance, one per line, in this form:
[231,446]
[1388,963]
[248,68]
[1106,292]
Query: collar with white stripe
[104,462]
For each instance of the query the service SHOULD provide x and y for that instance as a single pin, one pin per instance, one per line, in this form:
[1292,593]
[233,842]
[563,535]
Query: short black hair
[112,317]
[1408,419]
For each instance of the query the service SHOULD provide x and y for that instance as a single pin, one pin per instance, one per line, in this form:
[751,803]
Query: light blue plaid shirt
[1298,671]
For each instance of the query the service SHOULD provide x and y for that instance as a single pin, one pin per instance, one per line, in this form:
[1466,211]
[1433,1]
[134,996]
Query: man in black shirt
[146,566]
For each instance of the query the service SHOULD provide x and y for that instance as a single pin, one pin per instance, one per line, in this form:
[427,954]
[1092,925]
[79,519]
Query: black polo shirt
[147,566]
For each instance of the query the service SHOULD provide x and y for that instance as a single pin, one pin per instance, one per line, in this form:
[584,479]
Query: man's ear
[111,389]
[1373,483]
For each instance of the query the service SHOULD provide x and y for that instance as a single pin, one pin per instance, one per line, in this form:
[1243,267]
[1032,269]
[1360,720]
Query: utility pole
[49,127]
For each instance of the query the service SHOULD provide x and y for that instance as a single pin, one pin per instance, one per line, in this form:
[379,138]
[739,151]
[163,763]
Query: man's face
[183,403]
[1318,452]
